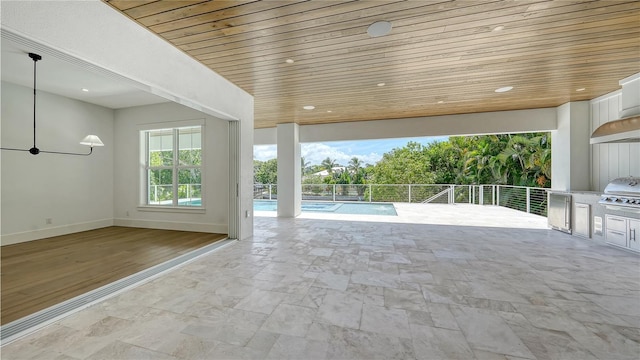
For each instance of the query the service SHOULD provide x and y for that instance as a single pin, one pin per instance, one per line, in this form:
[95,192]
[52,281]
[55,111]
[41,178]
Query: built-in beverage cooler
[559,213]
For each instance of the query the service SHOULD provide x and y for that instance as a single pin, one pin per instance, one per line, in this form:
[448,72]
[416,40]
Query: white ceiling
[63,78]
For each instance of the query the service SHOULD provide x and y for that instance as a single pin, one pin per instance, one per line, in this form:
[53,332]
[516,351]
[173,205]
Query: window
[174,178]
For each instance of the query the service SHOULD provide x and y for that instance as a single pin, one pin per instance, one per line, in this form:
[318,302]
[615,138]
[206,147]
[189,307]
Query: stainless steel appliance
[622,220]
[559,212]
[622,194]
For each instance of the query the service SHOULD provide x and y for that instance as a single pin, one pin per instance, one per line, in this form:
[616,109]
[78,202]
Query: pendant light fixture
[89,140]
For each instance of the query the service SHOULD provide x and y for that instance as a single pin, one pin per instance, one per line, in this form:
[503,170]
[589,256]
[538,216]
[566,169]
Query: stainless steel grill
[622,194]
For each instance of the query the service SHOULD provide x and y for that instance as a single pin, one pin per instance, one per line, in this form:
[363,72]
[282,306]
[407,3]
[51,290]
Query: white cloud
[368,151]
[265,152]
[314,153]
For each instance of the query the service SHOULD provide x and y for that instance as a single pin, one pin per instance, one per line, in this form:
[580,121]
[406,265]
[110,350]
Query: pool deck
[438,214]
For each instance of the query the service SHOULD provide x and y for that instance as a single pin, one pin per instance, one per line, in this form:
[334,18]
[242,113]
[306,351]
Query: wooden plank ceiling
[441,57]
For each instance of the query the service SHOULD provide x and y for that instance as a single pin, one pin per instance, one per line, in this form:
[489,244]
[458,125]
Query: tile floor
[428,284]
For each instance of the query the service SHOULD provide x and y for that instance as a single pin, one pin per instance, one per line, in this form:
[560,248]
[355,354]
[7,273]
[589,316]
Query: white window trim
[142,174]
[172,209]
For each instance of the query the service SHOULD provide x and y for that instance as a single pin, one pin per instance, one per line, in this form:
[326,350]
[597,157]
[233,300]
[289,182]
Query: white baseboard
[173,225]
[25,236]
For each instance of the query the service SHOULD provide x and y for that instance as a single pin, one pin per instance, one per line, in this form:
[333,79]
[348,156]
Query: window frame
[144,181]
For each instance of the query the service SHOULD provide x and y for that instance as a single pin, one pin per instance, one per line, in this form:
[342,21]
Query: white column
[570,148]
[289,170]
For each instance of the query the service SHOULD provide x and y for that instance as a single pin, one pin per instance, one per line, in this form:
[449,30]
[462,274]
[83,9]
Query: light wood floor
[42,273]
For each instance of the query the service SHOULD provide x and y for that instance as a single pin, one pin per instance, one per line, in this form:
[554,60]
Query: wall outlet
[247,213]
[127,213]
[48,221]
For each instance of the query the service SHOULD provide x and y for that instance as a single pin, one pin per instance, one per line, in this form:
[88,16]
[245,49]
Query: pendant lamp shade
[91,140]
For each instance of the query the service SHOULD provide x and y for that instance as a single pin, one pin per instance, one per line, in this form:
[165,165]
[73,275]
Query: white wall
[533,120]
[570,148]
[75,192]
[610,161]
[75,31]
[128,123]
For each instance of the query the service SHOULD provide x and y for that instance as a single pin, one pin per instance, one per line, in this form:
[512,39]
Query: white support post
[289,185]
[334,192]
[269,191]
[481,195]
[528,200]
[409,193]
[498,195]
[369,192]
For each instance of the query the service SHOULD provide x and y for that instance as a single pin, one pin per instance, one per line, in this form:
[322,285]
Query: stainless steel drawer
[616,223]
[617,237]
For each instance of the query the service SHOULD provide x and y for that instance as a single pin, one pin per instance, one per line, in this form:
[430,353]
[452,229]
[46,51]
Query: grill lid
[622,194]
[626,186]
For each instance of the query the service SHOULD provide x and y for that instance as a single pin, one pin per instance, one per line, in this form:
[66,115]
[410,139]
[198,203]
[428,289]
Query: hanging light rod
[90,140]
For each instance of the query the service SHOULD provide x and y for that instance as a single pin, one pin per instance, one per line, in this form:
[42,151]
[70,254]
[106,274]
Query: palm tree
[355,165]
[499,169]
[531,156]
[328,164]
[304,165]
[540,160]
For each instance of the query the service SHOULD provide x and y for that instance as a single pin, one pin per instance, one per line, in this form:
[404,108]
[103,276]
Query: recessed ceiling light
[289,61]
[503,89]
[440,102]
[379,28]
[308,107]
[329,111]
[381,84]
[498,28]
[581,89]
[85,90]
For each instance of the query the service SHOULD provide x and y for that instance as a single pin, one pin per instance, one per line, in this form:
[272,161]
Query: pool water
[193,202]
[332,207]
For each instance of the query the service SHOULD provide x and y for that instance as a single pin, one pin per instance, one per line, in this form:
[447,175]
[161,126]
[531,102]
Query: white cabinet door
[634,234]
[582,227]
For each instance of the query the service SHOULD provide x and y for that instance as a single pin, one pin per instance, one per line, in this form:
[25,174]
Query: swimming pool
[192,202]
[332,207]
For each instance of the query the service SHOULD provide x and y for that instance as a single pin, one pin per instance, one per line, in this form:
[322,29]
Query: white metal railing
[527,199]
[156,192]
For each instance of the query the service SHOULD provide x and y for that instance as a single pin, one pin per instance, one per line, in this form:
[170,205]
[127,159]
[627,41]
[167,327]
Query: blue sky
[369,151]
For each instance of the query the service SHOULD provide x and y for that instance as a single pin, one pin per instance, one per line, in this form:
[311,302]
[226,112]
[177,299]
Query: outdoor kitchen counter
[591,198]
